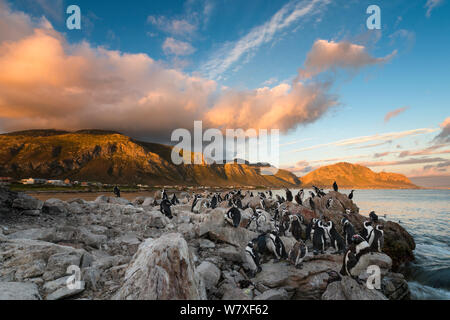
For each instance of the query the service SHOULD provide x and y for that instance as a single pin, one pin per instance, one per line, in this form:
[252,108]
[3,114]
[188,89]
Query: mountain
[110,157]
[349,175]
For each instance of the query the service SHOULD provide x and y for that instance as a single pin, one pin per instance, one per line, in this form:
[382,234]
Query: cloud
[384,138]
[329,55]
[177,27]
[431,4]
[401,162]
[289,14]
[300,168]
[177,47]
[444,136]
[394,113]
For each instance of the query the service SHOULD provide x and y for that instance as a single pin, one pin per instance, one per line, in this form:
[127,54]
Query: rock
[55,207]
[349,289]
[58,263]
[273,294]
[210,274]
[148,202]
[19,291]
[206,244]
[230,253]
[238,237]
[235,294]
[162,269]
[43,234]
[158,220]
[395,287]
[7,198]
[52,286]
[310,282]
[26,202]
[66,292]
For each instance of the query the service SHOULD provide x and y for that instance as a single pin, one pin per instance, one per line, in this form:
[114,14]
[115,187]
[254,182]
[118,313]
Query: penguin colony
[316,234]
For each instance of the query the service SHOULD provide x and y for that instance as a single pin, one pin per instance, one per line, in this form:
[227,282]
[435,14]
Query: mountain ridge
[111,157]
[348,175]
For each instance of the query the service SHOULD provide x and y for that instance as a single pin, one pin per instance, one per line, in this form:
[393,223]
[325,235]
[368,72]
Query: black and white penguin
[298,198]
[165,208]
[329,203]
[280,201]
[270,193]
[296,227]
[356,259]
[367,230]
[233,217]
[335,186]
[164,195]
[318,238]
[312,204]
[252,259]
[349,231]
[174,200]
[258,217]
[350,196]
[373,217]
[194,203]
[312,194]
[289,196]
[377,241]
[310,229]
[297,254]
[276,246]
[336,240]
[214,202]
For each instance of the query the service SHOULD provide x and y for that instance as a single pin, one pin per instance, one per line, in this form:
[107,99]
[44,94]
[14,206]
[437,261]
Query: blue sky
[241,45]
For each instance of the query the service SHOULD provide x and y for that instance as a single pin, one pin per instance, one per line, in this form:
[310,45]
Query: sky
[336,90]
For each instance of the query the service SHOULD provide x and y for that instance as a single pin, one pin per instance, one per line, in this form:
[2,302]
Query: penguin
[164,195]
[329,203]
[296,227]
[289,196]
[312,194]
[356,259]
[310,229]
[312,204]
[349,231]
[367,231]
[377,241]
[335,186]
[298,253]
[258,217]
[336,239]
[214,202]
[270,193]
[280,201]
[165,208]
[174,200]
[298,198]
[318,238]
[350,196]
[252,259]
[276,246]
[373,217]
[194,203]
[233,217]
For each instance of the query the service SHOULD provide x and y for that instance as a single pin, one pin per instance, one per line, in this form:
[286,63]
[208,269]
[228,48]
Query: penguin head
[380,227]
[344,220]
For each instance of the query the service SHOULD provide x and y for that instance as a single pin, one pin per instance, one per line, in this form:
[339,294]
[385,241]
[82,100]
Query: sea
[425,214]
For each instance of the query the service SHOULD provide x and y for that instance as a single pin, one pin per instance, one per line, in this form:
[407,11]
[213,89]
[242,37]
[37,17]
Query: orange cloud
[329,55]
[394,113]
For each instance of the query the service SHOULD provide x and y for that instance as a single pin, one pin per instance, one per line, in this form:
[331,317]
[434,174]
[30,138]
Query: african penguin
[349,230]
[373,217]
[356,259]
[367,230]
[252,259]
[174,200]
[297,254]
[276,246]
[295,227]
[289,196]
[165,208]
[233,217]
[377,241]
[310,229]
[335,238]
[318,238]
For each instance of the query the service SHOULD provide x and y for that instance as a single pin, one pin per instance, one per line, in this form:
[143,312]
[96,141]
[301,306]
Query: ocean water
[425,214]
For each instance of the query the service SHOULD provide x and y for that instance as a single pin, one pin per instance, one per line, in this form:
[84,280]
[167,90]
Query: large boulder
[210,274]
[162,269]
[349,289]
[7,198]
[25,202]
[55,207]
[19,291]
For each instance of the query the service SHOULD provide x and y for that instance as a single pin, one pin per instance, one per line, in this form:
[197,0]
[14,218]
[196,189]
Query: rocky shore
[130,250]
